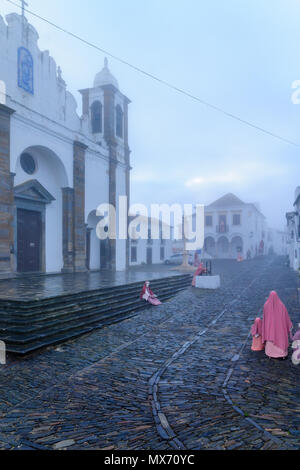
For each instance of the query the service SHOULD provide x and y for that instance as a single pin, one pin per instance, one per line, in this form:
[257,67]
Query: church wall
[96,192]
[49,96]
[46,125]
[24,135]
[48,153]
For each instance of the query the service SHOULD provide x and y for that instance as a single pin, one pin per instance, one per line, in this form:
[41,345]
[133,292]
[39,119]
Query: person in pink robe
[200,271]
[296,347]
[148,295]
[256,331]
[276,327]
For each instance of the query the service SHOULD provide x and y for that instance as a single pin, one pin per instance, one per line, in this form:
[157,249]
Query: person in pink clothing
[276,327]
[200,271]
[148,295]
[256,331]
[296,347]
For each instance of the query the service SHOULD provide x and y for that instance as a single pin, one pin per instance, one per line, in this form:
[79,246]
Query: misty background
[240,55]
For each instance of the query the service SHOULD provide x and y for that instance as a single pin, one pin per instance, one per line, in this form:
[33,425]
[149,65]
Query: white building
[276,242]
[151,250]
[234,227]
[293,233]
[56,167]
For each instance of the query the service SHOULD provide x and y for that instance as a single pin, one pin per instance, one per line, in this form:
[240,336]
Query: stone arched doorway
[40,176]
[210,246]
[223,247]
[98,252]
[237,246]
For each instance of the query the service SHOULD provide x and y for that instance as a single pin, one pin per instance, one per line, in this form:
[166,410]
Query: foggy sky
[241,55]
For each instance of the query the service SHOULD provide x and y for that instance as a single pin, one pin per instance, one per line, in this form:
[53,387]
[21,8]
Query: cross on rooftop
[24,4]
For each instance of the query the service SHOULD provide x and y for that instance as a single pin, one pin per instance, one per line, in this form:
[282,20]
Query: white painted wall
[251,229]
[47,123]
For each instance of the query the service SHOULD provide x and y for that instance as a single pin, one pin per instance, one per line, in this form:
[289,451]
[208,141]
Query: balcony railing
[222,228]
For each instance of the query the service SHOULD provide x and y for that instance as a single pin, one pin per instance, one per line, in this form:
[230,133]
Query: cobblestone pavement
[178,376]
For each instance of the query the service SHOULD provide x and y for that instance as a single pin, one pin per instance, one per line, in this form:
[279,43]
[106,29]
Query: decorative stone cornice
[81,145]
[6,110]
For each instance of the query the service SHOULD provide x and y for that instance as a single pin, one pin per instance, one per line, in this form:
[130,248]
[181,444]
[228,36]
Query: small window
[208,221]
[96,116]
[236,219]
[133,254]
[119,122]
[28,164]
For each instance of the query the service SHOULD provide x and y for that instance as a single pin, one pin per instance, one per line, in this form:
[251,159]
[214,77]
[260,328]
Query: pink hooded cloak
[257,344]
[277,325]
[257,327]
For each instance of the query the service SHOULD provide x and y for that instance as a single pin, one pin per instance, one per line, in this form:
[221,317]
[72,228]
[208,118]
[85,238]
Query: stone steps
[43,321]
[100,297]
[27,326]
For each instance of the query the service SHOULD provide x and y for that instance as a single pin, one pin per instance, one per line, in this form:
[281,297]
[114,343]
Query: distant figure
[261,248]
[256,331]
[240,258]
[276,327]
[200,271]
[148,295]
[296,347]
[249,254]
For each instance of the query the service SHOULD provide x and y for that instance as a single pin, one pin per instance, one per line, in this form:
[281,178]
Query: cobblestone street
[180,376]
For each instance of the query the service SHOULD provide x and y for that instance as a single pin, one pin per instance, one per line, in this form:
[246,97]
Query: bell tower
[105,109]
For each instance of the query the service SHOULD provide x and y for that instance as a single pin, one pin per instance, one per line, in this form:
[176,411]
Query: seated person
[148,295]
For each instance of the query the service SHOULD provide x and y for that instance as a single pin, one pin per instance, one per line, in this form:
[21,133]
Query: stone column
[68,229]
[6,196]
[113,202]
[79,232]
[128,169]
[109,135]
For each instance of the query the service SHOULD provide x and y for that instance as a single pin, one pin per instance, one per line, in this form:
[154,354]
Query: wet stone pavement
[180,376]
[38,286]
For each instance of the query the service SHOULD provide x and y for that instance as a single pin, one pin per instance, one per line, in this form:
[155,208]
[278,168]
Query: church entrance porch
[29,236]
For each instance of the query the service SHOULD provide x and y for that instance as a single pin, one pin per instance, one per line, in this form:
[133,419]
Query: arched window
[119,121]
[96,110]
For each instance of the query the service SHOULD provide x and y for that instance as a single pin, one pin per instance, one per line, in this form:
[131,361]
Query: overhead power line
[159,80]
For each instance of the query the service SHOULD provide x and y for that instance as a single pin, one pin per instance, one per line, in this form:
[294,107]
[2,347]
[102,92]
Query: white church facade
[57,167]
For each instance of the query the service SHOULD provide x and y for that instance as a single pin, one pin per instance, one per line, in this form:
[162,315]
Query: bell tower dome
[105,77]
